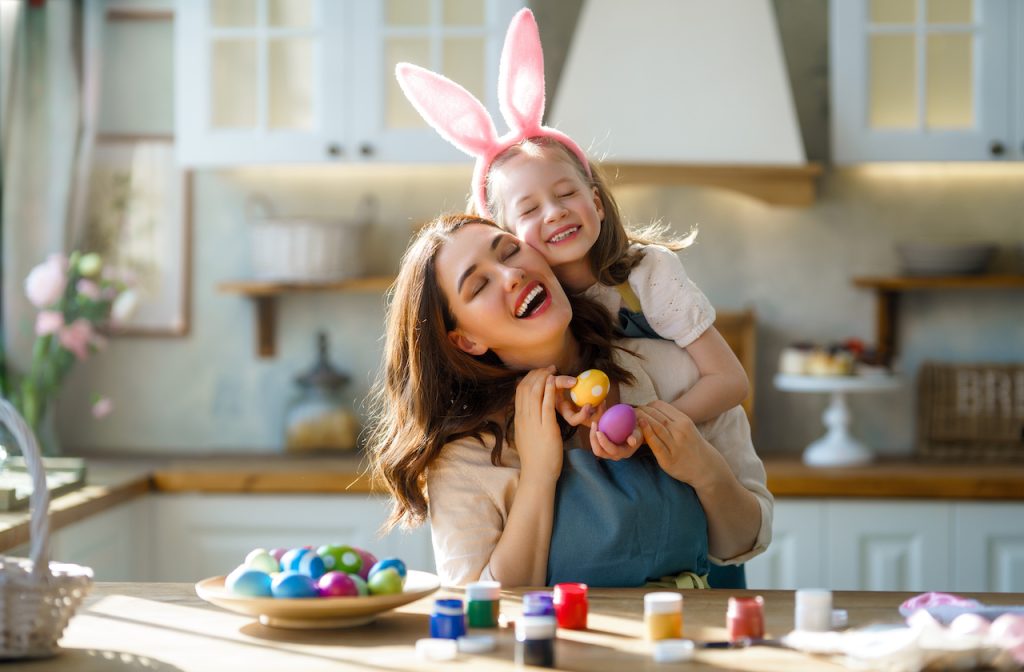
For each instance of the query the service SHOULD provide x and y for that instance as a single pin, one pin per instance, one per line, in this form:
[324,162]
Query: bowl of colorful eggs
[330,586]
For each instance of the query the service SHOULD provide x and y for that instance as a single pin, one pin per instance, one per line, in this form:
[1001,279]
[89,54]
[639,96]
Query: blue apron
[633,324]
[624,523]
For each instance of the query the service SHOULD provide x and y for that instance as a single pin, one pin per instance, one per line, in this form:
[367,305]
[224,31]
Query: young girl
[466,429]
[537,183]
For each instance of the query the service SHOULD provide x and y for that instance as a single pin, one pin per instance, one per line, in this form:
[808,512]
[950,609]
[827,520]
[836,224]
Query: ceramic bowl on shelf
[317,612]
[928,258]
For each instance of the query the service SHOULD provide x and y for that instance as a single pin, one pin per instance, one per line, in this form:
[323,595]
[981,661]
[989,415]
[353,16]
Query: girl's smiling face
[548,205]
[504,297]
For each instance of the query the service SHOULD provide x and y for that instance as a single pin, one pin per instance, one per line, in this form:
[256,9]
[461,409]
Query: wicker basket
[971,412]
[37,597]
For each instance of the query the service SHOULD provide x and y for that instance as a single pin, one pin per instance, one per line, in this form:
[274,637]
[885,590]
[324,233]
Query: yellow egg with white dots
[591,388]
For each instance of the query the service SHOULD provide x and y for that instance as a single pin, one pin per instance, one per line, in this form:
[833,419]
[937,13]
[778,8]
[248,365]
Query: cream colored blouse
[469,498]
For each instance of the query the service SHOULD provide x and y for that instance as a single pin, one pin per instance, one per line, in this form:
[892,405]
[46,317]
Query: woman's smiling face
[504,297]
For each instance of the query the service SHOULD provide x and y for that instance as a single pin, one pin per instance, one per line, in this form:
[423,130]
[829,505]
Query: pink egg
[1008,630]
[278,553]
[337,584]
[369,560]
[618,422]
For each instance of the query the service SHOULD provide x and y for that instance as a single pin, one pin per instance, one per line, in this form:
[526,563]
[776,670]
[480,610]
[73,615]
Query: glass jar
[321,417]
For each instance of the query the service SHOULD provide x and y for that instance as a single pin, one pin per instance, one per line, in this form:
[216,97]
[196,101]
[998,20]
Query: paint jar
[535,641]
[538,603]
[663,616]
[483,601]
[813,610]
[571,605]
[745,618]
[447,620]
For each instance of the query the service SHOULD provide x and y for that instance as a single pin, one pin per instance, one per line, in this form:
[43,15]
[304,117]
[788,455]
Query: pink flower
[45,283]
[49,322]
[76,337]
[88,289]
[102,407]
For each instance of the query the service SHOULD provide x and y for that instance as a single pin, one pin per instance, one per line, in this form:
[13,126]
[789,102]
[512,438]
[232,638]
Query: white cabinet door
[461,40]
[796,557]
[255,81]
[989,547]
[209,535]
[115,543]
[889,545]
[917,80]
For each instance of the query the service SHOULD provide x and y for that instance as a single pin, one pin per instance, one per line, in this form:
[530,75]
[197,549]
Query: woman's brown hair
[430,392]
[611,258]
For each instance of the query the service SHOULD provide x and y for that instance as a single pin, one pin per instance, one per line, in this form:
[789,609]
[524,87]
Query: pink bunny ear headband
[462,120]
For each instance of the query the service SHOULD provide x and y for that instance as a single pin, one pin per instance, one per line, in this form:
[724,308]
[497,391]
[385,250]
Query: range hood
[685,92]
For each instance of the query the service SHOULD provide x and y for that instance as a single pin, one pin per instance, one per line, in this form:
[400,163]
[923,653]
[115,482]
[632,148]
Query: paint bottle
[482,606]
[745,618]
[447,620]
[663,616]
[538,603]
[535,641]
[813,610]
[571,605]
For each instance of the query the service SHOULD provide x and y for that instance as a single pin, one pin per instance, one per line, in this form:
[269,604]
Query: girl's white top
[673,305]
[470,498]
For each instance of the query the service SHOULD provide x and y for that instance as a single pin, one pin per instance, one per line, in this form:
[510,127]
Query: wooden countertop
[167,627]
[115,479]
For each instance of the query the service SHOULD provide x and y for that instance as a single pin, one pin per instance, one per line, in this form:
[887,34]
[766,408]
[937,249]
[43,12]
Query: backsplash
[209,392]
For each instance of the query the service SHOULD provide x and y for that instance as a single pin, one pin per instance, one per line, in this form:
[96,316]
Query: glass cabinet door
[461,39]
[920,79]
[252,78]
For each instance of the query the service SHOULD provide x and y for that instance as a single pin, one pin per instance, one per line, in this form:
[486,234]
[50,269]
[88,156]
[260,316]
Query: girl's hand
[567,409]
[605,448]
[538,437]
[674,440]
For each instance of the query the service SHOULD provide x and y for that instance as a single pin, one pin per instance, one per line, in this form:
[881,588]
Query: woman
[460,426]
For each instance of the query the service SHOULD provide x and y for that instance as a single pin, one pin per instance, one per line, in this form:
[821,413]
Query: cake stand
[838,448]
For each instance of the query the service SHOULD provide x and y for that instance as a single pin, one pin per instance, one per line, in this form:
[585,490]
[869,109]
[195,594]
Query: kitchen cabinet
[926,80]
[880,544]
[311,81]
[207,535]
[116,543]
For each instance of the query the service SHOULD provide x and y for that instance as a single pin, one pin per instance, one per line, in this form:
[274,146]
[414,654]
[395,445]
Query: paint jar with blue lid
[482,604]
[539,603]
[447,620]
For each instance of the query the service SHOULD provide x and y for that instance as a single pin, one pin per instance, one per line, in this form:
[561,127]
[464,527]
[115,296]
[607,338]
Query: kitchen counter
[116,479]
[165,626]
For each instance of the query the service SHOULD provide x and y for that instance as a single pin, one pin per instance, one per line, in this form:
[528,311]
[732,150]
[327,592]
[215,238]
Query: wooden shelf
[888,289]
[776,185]
[265,293]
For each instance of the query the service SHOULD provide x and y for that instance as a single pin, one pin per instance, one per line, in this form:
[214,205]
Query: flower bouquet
[76,297]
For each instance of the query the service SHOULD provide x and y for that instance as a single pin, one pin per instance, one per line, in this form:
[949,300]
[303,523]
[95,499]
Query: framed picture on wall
[137,216]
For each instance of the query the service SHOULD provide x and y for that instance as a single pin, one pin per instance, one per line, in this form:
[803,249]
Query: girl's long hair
[430,392]
[611,257]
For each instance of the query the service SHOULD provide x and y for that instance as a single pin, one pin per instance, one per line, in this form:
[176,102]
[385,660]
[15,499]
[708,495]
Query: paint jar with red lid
[745,618]
[571,605]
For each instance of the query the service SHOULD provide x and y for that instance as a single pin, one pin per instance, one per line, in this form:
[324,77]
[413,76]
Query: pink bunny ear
[521,74]
[452,110]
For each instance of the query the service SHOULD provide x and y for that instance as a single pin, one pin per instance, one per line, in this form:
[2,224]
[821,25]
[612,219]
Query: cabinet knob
[996,148]
[334,149]
[366,149]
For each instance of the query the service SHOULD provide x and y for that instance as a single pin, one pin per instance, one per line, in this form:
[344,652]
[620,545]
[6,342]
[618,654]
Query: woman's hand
[538,436]
[674,440]
[572,414]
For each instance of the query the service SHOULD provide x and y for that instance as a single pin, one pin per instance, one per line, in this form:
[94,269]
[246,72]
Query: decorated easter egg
[340,558]
[360,584]
[290,560]
[303,561]
[262,560]
[385,581]
[618,422]
[292,585]
[1007,630]
[337,584]
[278,553]
[395,563]
[248,582]
[369,560]
[969,624]
[591,388]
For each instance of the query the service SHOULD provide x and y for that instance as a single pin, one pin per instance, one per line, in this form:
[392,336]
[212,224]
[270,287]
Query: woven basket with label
[37,597]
